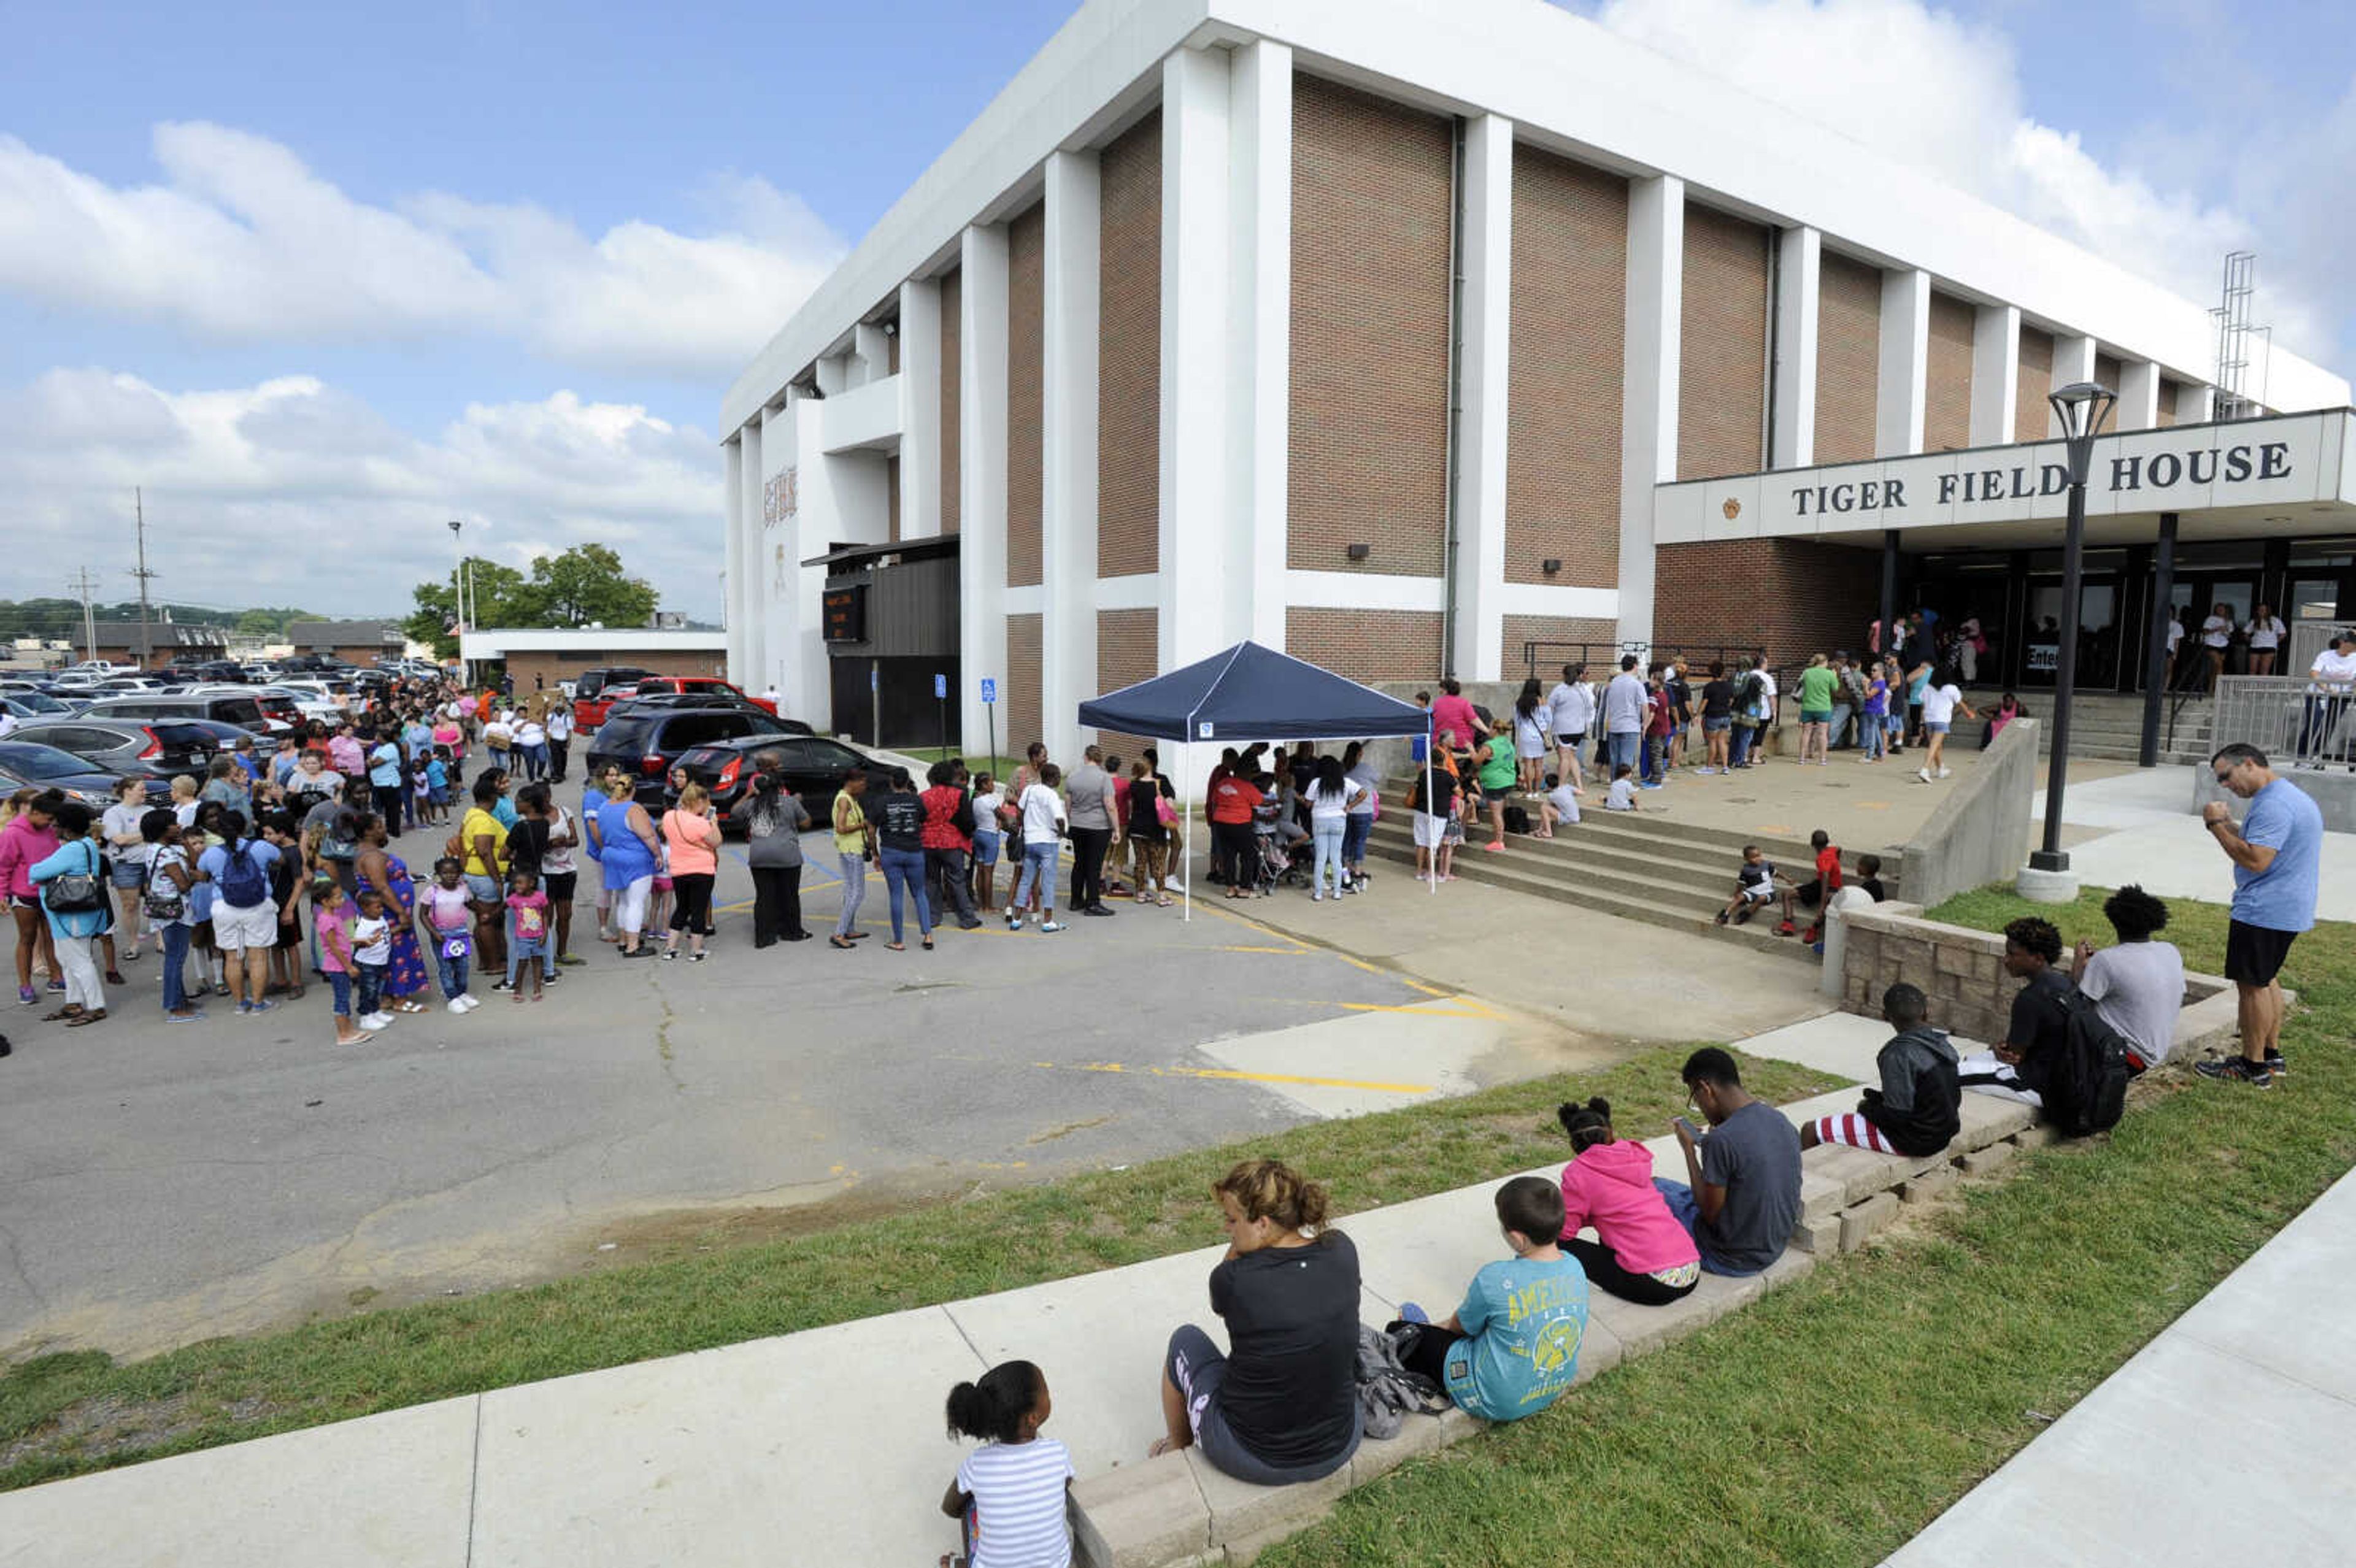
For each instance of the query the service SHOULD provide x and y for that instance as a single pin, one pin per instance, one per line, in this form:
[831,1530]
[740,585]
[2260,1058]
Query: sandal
[115,977]
[76,1022]
[842,943]
[62,1013]
[897,946]
[928,944]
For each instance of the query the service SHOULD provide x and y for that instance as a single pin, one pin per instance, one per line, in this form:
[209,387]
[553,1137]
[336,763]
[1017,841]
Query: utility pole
[83,583]
[146,637]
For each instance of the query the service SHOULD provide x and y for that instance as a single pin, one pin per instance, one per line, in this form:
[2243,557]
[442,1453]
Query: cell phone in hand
[1685,1125]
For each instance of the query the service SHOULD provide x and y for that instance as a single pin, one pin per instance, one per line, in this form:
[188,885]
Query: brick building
[538,659]
[361,642]
[1414,341]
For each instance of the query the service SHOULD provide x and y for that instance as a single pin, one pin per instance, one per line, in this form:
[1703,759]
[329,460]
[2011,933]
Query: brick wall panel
[1128,651]
[1947,400]
[1562,441]
[532,671]
[2030,418]
[1848,358]
[1722,365]
[1513,661]
[1365,644]
[1371,219]
[1022,693]
[2170,410]
[1793,597]
[2109,372]
[952,302]
[1129,350]
[1026,259]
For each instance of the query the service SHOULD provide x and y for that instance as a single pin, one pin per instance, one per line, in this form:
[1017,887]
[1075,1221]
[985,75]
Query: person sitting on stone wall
[1743,1195]
[1513,1347]
[2021,1066]
[1916,1109]
[2138,985]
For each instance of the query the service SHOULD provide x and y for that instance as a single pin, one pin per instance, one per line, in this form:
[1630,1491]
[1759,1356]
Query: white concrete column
[2138,391]
[1799,294]
[1196,322]
[1648,405]
[1067,523]
[920,409]
[793,642]
[757,474]
[1260,369]
[1485,391]
[735,604]
[1996,374]
[833,374]
[2196,404]
[873,346]
[1901,402]
[2073,361]
[981,476]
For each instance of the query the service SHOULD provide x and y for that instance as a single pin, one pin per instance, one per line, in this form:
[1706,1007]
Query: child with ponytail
[1009,1495]
[1644,1256]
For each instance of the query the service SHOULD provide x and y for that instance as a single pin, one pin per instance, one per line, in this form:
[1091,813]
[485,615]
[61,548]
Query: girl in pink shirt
[691,852]
[1643,1256]
[332,914]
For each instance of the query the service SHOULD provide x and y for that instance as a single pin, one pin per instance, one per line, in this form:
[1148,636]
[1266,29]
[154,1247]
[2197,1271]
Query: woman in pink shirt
[29,837]
[691,838]
[1451,714]
[1643,1256]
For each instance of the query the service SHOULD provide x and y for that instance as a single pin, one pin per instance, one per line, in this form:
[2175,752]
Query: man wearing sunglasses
[2277,855]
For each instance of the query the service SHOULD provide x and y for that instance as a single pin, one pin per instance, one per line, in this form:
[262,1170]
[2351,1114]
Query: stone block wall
[1960,969]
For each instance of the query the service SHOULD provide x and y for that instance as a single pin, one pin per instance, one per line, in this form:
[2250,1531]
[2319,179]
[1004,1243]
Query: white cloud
[293,492]
[242,242]
[1943,94]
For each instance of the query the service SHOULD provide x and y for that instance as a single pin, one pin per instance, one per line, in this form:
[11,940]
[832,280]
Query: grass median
[1831,1422]
[62,1415]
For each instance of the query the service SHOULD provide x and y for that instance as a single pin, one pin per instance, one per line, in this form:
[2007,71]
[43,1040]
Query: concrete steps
[1676,876]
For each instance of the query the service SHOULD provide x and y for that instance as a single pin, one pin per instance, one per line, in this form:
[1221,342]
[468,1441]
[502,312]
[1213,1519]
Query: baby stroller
[1278,866]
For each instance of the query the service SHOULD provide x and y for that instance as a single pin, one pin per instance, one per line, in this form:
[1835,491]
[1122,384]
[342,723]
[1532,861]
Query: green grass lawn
[60,1415]
[1834,1420]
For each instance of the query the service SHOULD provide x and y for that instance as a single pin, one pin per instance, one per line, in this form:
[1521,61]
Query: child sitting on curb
[1009,1495]
[1562,805]
[1757,885]
[1623,793]
[1513,1347]
[1918,1109]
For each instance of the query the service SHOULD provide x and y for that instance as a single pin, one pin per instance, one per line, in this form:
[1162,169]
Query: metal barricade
[2280,716]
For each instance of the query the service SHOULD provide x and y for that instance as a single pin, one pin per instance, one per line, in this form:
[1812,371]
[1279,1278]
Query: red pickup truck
[589,712]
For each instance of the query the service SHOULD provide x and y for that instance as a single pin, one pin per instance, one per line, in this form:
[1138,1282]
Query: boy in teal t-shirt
[1513,1347]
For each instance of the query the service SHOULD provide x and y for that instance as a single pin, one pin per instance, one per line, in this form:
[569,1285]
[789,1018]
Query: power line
[83,583]
[146,637]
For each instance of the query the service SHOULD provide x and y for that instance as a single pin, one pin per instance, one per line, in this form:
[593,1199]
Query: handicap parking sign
[940,685]
[989,689]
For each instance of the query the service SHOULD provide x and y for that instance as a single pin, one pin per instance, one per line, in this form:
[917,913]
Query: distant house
[536,659]
[118,642]
[354,642]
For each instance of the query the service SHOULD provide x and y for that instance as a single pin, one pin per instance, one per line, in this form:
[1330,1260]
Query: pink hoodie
[1610,1186]
[22,848]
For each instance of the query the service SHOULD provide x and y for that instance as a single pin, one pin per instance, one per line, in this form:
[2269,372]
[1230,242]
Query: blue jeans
[371,987]
[1870,734]
[342,984]
[1358,828]
[1687,1209]
[904,869]
[854,892]
[521,950]
[1741,747]
[1325,833]
[1622,748]
[453,975]
[1039,872]
[175,938]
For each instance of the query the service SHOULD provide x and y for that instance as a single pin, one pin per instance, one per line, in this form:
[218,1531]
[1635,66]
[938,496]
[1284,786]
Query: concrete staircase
[2109,728]
[1671,874]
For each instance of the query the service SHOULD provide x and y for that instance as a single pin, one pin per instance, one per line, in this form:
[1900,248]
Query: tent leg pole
[1434,868]
[1186,838]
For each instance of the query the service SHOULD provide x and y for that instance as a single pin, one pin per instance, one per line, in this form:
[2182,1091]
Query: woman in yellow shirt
[851,836]
[483,842]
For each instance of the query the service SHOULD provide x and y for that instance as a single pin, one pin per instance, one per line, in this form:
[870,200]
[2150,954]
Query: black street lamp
[2081,407]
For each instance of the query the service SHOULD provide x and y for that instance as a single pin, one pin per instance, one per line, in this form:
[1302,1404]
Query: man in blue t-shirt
[2277,855]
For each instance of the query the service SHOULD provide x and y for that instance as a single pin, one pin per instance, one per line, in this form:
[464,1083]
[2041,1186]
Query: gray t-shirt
[2138,986]
[1088,797]
[1754,1154]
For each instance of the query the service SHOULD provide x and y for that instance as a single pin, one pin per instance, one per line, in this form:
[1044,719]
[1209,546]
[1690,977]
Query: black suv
[645,737]
[146,748]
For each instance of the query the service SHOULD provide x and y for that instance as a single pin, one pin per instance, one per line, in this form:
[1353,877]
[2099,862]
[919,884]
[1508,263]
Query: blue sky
[500,261]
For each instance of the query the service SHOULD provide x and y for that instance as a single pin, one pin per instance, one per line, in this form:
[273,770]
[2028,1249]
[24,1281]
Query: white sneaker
[457,1004]
[1946,773]
[374,1021]
[1923,773]
[472,1002]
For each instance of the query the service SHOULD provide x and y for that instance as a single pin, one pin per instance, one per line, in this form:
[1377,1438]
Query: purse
[75,893]
[161,900]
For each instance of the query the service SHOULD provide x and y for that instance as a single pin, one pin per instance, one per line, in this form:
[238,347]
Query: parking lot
[168,1183]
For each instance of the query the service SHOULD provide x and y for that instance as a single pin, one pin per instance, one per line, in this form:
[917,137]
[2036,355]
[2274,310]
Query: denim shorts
[1934,726]
[985,847]
[1717,726]
[126,873]
[484,890]
[1815,715]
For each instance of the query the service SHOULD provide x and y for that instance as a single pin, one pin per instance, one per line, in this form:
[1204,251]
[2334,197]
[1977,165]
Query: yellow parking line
[1230,1074]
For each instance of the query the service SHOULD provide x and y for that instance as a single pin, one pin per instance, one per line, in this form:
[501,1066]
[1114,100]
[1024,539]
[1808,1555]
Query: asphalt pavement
[166,1183]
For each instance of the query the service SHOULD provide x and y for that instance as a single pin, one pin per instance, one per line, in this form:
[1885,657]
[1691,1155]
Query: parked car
[28,763]
[703,685]
[148,748]
[596,690]
[33,701]
[277,705]
[127,685]
[241,709]
[814,767]
[645,737]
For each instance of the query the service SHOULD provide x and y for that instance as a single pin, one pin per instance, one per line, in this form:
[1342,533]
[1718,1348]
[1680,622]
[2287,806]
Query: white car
[315,698]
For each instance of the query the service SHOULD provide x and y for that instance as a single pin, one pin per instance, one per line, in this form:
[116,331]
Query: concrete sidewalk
[2224,1440]
[830,1440]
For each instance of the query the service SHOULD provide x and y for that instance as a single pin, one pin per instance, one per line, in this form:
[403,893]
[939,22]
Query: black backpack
[1517,820]
[2088,1088]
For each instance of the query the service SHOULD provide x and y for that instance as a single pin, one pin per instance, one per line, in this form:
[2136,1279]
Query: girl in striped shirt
[1009,1495]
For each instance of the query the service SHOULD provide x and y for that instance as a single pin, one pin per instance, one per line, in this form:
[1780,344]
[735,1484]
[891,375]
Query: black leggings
[1239,856]
[1426,1353]
[1603,1271]
[690,909]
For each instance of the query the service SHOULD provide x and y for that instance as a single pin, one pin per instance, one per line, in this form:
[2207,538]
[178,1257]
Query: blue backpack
[243,883]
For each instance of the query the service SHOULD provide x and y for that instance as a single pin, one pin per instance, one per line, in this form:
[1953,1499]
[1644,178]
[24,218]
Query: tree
[496,596]
[587,583]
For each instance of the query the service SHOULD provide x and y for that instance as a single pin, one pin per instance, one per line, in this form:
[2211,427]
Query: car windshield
[31,761]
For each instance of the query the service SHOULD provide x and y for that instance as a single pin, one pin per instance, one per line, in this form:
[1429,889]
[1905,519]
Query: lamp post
[2080,406]
[458,578]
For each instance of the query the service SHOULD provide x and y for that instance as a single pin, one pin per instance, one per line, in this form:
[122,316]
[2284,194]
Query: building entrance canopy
[2244,478]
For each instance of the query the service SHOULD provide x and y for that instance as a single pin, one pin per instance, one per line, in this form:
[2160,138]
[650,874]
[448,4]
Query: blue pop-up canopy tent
[1250,693]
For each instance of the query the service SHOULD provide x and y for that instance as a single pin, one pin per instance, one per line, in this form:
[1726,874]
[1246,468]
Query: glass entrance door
[2198,599]
[2098,633]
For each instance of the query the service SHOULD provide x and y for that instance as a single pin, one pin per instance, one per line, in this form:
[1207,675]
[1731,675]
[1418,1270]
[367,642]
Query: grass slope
[1831,1422]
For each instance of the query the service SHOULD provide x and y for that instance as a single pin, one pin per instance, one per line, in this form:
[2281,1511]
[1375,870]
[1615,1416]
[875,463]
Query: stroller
[1279,865]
